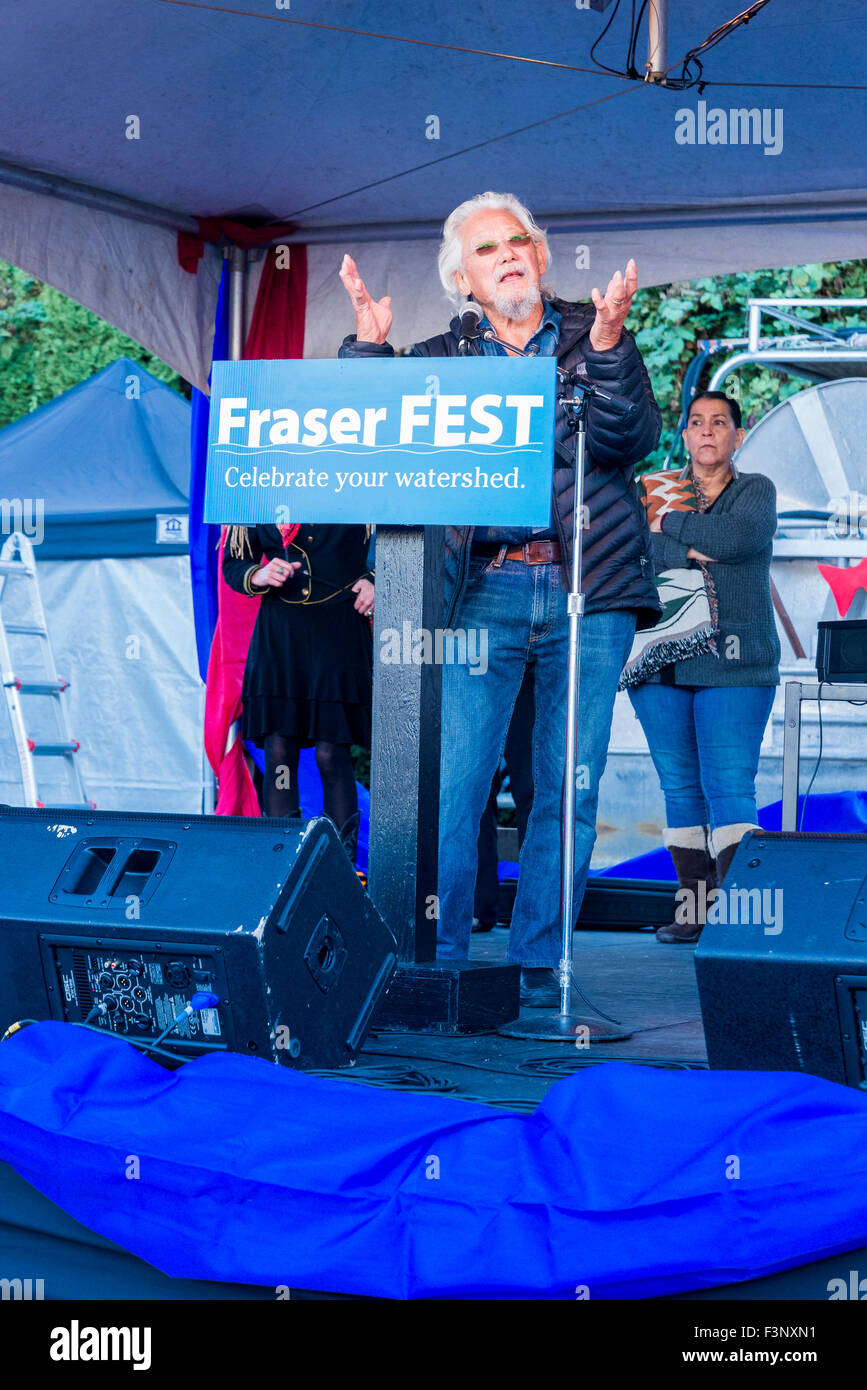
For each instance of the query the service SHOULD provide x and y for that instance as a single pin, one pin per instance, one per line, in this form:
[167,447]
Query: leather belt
[532,553]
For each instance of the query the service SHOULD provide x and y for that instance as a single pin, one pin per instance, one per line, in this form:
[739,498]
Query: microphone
[619,406]
[471,317]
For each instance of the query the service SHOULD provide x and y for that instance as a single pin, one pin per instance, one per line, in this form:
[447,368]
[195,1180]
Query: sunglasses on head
[485,248]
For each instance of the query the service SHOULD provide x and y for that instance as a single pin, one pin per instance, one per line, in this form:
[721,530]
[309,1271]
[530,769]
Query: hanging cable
[689,78]
[819,757]
[603,66]
[391,38]
[597,70]
[633,42]
[818,761]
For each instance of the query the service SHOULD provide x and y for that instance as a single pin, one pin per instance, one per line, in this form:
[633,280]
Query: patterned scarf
[689,619]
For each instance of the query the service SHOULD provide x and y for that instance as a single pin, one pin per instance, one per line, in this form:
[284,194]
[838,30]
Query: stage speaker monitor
[782,971]
[122,918]
[841,651]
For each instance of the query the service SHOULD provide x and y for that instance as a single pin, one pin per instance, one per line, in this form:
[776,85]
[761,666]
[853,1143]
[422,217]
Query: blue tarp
[837,812]
[626,1182]
[106,458]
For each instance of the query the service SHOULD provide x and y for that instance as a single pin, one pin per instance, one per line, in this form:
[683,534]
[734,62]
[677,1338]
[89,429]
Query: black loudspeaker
[123,918]
[841,651]
[782,971]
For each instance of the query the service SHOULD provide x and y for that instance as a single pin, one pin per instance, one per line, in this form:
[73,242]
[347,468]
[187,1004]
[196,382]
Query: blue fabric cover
[618,1182]
[835,812]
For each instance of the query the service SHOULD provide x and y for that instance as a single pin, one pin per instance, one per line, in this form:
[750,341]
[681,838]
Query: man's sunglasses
[485,248]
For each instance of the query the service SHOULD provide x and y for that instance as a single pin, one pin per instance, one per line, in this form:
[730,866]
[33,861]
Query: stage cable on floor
[391,1078]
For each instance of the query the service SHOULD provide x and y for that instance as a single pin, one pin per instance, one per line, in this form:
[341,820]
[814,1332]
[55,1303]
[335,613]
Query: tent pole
[237,286]
[99,199]
[657,41]
[237,258]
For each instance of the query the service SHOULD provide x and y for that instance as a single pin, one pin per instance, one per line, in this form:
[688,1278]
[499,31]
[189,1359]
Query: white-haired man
[513,581]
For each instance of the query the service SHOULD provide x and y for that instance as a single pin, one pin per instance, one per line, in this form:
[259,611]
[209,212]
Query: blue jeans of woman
[705,743]
[522,610]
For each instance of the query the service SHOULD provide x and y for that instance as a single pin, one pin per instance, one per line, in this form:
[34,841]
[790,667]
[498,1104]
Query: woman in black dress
[309,671]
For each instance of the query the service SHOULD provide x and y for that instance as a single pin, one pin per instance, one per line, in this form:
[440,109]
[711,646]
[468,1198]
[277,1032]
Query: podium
[425,995]
[353,441]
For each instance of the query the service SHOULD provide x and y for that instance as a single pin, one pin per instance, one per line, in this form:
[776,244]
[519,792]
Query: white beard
[517,302]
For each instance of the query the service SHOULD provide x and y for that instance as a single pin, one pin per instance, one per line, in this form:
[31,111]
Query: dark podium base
[446,996]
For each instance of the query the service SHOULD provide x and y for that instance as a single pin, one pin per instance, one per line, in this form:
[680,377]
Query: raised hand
[373,317]
[611,310]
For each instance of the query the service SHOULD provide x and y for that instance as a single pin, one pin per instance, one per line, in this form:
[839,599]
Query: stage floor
[628,974]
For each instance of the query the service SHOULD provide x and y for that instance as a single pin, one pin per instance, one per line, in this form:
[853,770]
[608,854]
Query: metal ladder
[32,689]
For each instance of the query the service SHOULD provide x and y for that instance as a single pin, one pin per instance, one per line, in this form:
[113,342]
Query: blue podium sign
[407,440]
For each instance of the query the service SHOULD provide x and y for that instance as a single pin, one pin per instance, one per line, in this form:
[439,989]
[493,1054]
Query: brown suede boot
[694,867]
[724,841]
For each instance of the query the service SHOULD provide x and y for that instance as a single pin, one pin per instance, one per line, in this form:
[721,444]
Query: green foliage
[361,764]
[669,320]
[48,343]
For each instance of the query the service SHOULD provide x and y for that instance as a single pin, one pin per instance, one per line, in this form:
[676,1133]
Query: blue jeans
[522,608]
[705,743]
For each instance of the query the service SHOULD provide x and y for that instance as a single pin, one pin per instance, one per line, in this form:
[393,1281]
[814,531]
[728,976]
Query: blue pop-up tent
[106,466]
[109,461]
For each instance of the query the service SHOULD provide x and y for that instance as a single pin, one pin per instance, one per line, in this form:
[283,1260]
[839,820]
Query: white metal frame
[17,564]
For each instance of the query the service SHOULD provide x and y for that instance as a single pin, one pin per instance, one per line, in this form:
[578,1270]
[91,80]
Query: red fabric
[844,583]
[277,332]
[237,793]
[191,247]
[236,618]
[277,328]
[288,534]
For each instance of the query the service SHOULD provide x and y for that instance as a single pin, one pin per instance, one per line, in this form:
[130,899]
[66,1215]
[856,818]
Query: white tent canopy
[107,462]
[365,126]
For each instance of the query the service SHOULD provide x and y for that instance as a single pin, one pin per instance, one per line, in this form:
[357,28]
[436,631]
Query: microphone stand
[566,1026]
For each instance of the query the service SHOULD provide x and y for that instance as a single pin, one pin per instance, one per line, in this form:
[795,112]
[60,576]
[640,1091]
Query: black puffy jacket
[617,556]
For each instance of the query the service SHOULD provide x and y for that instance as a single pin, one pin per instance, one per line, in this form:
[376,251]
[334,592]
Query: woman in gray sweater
[704,717]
